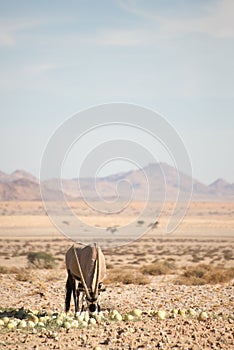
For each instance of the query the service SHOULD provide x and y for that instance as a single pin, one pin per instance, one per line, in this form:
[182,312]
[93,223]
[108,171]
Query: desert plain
[187,275]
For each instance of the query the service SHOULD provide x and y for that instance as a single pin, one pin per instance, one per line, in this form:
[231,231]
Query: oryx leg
[77,309]
[98,308]
[101,288]
[75,297]
[80,297]
[98,305]
[70,288]
[83,302]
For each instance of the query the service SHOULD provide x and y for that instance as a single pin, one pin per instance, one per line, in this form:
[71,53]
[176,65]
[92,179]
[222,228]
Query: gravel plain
[177,331]
[205,236]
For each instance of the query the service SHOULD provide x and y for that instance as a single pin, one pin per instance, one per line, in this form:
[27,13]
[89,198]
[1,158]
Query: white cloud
[217,20]
[25,75]
[6,39]
[10,28]
[40,68]
[115,37]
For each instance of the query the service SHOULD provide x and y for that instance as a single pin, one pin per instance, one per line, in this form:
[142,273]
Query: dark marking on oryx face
[92,307]
[92,303]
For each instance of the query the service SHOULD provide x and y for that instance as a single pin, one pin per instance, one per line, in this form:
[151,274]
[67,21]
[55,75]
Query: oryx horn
[97,274]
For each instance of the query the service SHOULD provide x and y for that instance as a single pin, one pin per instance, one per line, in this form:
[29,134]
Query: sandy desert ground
[159,272]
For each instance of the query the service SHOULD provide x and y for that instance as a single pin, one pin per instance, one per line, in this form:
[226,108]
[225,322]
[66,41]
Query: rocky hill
[160,178]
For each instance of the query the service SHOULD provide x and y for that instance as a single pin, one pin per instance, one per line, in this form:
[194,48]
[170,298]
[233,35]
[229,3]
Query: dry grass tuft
[54,276]
[126,276]
[4,270]
[205,274]
[8,270]
[21,274]
[158,268]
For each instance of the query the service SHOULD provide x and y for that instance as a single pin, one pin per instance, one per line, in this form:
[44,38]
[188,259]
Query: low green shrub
[41,260]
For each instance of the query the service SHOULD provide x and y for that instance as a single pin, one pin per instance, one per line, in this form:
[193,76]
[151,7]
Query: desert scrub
[205,274]
[10,270]
[21,274]
[5,270]
[158,268]
[41,260]
[126,276]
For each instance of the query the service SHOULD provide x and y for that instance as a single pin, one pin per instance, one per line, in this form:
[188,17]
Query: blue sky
[176,57]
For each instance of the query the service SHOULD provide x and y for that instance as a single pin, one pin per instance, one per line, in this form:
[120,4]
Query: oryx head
[92,303]
[93,299]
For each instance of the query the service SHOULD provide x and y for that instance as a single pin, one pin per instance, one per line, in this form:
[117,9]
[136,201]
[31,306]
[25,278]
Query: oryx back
[92,263]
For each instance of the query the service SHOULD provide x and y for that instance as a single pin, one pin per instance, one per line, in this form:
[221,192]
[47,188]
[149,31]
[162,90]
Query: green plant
[41,260]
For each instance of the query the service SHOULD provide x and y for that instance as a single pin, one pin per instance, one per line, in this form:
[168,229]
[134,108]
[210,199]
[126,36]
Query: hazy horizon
[111,173]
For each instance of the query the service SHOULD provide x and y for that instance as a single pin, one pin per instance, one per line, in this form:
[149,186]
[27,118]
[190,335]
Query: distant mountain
[21,185]
[221,187]
[21,189]
[2,176]
[16,175]
[219,184]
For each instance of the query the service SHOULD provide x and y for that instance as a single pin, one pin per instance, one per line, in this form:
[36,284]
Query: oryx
[86,265]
